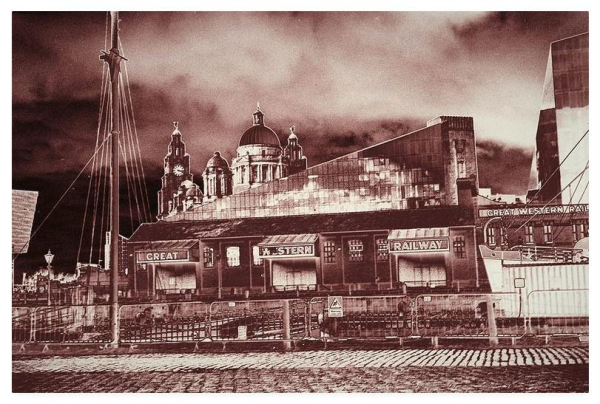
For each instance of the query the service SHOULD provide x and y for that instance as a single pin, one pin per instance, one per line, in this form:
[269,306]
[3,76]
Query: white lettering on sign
[535,210]
[287,250]
[162,256]
[420,245]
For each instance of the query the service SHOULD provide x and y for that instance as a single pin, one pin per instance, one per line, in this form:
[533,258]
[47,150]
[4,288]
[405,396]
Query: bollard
[287,345]
[435,342]
[491,317]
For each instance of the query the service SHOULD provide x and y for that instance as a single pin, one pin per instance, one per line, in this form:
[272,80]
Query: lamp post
[49,257]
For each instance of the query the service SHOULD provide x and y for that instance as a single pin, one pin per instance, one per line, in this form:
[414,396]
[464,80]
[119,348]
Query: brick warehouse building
[396,213]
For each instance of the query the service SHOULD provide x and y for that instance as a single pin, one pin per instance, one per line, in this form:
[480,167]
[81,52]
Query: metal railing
[492,315]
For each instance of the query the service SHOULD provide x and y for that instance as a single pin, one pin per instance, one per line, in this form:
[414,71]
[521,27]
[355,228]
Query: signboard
[420,245]
[163,256]
[297,250]
[336,306]
[242,332]
[534,210]
[519,283]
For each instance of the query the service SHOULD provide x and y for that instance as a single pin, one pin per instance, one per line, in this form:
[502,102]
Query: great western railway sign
[419,245]
[534,210]
[163,256]
[297,250]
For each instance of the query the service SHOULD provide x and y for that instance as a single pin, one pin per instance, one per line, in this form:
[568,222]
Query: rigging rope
[551,175]
[550,201]
[59,200]
[100,113]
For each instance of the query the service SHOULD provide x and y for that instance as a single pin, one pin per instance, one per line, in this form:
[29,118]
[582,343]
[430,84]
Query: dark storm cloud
[502,167]
[345,80]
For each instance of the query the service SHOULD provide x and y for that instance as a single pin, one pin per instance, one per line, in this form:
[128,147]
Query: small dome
[260,134]
[193,191]
[217,161]
[187,184]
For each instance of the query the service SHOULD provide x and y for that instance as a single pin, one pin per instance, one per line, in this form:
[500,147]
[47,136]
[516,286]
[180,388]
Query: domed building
[259,157]
[217,178]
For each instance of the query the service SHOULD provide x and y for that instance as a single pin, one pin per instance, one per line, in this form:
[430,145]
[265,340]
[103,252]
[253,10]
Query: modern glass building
[416,170]
[559,169]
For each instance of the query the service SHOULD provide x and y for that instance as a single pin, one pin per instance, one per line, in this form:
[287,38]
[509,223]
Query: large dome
[260,134]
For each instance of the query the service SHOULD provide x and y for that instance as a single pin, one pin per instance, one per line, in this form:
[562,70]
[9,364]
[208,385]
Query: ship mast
[113,58]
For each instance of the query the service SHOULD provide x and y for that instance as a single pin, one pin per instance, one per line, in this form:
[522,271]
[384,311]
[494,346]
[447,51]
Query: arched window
[233,256]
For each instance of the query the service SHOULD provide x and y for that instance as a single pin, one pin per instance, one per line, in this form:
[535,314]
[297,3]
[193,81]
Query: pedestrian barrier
[364,317]
[491,315]
[246,320]
[469,315]
[558,312]
[164,322]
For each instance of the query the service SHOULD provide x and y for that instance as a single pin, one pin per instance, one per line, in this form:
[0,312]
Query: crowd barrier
[491,315]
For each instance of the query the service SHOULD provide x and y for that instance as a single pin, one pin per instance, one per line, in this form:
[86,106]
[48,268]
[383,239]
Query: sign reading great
[536,210]
[419,245]
[163,256]
[298,250]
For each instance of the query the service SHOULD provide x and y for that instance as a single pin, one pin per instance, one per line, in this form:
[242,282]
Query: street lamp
[49,257]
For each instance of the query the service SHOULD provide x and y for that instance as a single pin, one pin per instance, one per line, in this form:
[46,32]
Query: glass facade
[412,171]
[561,138]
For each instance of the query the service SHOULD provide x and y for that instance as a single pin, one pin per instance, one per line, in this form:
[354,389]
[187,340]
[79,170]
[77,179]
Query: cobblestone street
[548,369]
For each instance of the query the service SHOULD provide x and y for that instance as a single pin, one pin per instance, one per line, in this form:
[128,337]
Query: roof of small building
[322,223]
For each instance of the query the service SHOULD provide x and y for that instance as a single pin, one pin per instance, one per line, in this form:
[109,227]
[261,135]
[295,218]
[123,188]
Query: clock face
[178,170]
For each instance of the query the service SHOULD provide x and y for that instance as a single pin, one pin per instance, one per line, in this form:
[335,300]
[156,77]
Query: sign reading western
[535,210]
[419,245]
[298,250]
[163,256]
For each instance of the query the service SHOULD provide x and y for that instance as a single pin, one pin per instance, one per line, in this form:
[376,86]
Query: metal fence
[540,312]
[163,322]
[558,312]
[364,317]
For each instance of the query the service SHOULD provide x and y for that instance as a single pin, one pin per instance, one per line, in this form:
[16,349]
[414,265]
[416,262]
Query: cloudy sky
[346,80]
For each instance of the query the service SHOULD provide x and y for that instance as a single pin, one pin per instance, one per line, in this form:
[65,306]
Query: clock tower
[177,170]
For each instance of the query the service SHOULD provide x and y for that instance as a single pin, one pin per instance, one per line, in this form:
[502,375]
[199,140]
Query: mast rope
[100,114]
[59,200]
[551,175]
[555,196]
[146,198]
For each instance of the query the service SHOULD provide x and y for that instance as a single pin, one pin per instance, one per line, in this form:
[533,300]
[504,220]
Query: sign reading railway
[419,245]
[336,306]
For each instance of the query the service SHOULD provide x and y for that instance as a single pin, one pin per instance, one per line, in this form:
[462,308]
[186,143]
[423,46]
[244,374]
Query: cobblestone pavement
[557,369]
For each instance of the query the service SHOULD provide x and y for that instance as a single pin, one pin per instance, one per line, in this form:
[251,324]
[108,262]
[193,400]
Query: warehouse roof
[323,223]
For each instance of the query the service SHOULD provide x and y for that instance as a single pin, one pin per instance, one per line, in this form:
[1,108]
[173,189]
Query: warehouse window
[209,257]
[355,250]
[529,234]
[459,247]
[503,236]
[462,169]
[256,260]
[580,230]
[329,251]
[383,250]
[233,256]
[491,236]
[548,237]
